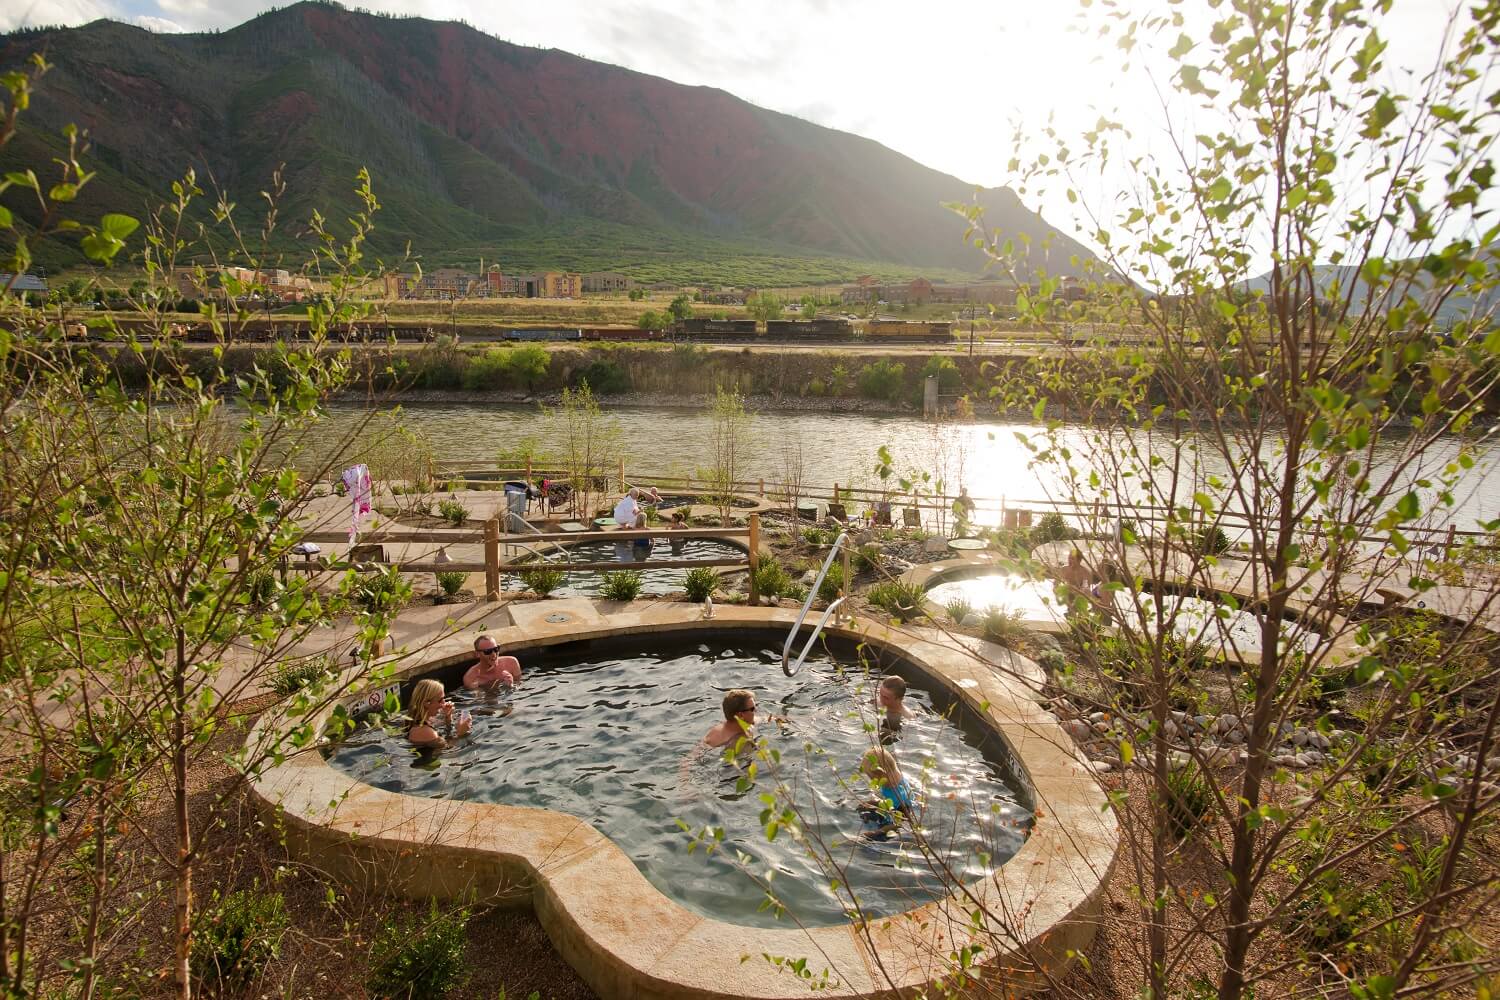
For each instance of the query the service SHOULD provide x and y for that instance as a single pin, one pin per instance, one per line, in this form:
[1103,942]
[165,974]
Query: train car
[618,333]
[901,332]
[809,330]
[720,330]
[544,333]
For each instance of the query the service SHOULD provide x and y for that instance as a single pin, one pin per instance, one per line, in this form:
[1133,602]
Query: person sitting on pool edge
[427,704]
[492,670]
[880,815]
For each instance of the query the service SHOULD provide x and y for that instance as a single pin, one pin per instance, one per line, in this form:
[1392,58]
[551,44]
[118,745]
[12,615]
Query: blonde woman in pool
[427,705]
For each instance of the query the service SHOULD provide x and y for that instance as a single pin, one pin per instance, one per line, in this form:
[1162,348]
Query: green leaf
[63,192]
[5,218]
[118,226]
[1409,507]
[26,180]
[1379,116]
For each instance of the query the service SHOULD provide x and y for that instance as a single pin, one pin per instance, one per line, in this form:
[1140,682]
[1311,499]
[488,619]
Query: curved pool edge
[624,937]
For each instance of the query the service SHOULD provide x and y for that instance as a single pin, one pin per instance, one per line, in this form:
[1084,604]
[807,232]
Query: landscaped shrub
[621,585]
[1006,628]
[382,592]
[816,536]
[829,589]
[490,370]
[235,937]
[772,579]
[959,608]
[1052,528]
[453,511]
[451,581]
[261,588]
[420,956]
[1210,540]
[867,557]
[899,599]
[946,371]
[700,583]
[882,380]
[543,581]
[292,676]
[1189,799]
[603,377]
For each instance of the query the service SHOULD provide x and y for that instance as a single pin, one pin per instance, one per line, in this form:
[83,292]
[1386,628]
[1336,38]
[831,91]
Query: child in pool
[427,704]
[880,815]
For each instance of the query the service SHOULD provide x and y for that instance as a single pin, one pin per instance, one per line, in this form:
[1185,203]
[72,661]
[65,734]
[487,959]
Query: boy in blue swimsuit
[881,815]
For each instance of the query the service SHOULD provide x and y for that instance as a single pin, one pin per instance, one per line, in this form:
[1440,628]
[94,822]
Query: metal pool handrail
[788,667]
[567,556]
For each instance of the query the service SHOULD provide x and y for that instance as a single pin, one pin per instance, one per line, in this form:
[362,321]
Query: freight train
[705,331]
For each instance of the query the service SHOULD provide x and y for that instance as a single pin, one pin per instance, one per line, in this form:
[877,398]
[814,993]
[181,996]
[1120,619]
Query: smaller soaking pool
[609,732]
[653,581]
[1031,598]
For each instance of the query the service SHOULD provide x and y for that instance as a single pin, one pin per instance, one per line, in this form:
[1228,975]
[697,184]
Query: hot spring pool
[607,733]
[1198,619]
[1033,599]
[653,581]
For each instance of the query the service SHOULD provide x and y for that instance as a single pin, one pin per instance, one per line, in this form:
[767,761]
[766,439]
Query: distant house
[607,281]
[23,283]
[447,283]
[561,285]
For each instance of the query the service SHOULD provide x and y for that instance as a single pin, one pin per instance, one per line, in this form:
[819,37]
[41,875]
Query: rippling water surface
[985,456]
[611,740]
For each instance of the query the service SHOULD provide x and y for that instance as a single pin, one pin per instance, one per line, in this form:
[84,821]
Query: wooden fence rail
[493,566]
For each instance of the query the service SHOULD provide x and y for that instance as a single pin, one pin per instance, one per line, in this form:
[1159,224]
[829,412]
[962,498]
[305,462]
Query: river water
[987,457]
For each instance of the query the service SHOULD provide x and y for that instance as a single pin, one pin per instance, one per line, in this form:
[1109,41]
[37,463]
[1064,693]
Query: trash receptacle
[515,507]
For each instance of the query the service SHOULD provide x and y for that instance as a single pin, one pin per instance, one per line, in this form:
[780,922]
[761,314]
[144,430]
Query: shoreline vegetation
[835,379]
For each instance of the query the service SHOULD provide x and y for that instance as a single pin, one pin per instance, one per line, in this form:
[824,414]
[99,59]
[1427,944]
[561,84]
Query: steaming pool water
[609,732]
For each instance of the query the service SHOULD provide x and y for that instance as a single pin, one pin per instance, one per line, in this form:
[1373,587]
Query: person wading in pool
[890,703]
[739,719]
[493,670]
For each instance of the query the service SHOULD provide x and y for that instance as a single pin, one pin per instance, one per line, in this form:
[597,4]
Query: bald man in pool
[492,670]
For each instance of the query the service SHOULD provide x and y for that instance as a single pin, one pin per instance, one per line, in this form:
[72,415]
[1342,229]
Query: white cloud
[36,13]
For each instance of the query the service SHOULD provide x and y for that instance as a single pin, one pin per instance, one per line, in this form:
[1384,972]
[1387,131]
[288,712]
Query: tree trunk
[184,936]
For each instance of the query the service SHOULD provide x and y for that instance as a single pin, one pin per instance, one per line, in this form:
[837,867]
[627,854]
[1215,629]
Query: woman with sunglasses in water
[493,670]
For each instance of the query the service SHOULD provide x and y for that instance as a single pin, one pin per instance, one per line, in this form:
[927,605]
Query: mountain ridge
[470,138]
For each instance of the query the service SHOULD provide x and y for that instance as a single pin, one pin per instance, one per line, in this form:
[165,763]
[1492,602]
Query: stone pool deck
[624,936]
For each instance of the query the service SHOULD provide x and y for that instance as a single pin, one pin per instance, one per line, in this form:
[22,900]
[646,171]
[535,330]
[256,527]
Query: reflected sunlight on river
[986,457]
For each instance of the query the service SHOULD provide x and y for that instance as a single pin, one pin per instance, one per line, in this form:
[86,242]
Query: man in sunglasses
[492,670]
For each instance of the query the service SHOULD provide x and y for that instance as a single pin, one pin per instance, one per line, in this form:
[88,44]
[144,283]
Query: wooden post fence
[492,559]
[754,542]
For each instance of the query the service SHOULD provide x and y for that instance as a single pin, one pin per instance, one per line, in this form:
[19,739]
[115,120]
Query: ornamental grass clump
[772,579]
[899,599]
[235,937]
[542,582]
[420,956]
[453,511]
[621,585]
[700,583]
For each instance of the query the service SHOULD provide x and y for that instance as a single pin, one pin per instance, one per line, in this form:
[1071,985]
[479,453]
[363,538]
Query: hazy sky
[940,81]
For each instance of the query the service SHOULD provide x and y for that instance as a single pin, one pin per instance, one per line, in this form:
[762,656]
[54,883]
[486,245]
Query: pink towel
[361,495]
